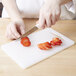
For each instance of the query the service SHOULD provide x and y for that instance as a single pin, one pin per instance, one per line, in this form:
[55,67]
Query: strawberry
[25,41]
[56,41]
[45,46]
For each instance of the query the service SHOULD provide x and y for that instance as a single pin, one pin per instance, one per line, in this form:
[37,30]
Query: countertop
[61,64]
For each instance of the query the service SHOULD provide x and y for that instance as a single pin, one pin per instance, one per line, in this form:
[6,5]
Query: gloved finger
[6,33]
[22,29]
[14,31]
[58,11]
[53,19]
[42,22]
[9,33]
[57,17]
[48,20]
[12,35]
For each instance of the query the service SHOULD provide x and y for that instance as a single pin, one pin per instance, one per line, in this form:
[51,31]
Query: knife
[30,31]
[35,28]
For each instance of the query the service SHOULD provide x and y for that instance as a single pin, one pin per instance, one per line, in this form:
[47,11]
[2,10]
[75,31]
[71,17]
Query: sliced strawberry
[41,46]
[56,41]
[25,41]
[45,46]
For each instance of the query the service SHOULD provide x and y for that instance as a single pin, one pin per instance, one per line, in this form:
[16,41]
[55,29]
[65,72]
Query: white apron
[31,8]
[27,8]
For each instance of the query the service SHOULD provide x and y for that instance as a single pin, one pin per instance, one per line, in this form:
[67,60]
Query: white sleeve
[70,7]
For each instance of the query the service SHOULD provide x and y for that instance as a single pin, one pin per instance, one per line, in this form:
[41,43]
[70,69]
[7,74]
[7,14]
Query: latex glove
[15,29]
[49,13]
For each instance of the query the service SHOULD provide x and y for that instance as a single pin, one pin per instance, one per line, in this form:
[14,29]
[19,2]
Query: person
[48,12]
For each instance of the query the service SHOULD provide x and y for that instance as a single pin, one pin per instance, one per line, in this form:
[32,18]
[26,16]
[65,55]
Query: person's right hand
[15,29]
[49,13]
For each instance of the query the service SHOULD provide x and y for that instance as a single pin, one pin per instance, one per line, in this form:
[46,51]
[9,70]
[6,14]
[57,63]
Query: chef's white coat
[30,9]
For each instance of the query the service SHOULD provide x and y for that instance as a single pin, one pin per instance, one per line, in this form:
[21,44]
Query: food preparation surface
[61,64]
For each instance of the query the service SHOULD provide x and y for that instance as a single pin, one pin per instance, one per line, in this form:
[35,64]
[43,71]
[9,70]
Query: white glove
[49,13]
[15,29]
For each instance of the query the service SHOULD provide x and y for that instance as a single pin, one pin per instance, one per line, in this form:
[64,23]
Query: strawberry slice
[41,47]
[56,41]
[25,41]
[45,46]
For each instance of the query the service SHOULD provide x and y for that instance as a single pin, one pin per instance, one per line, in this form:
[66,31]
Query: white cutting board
[27,56]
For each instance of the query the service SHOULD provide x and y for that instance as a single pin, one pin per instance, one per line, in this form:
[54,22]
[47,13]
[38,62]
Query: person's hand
[49,13]
[15,29]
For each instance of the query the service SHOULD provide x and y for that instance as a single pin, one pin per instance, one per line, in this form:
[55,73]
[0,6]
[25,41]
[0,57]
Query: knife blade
[35,28]
[30,31]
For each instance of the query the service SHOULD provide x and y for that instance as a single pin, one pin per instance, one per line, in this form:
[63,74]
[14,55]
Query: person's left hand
[15,29]
[49,13]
